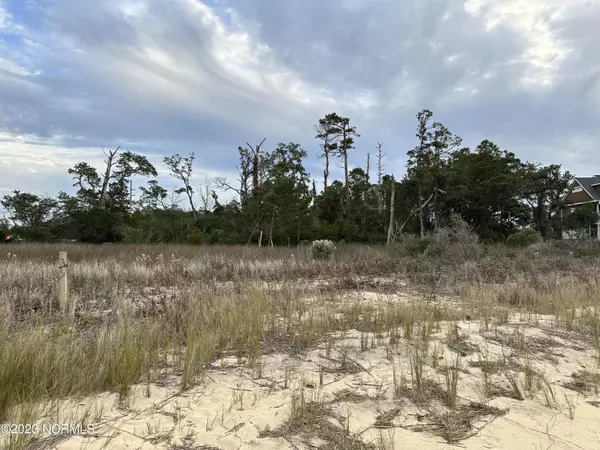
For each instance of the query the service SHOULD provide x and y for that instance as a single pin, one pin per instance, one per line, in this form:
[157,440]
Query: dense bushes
[524,238]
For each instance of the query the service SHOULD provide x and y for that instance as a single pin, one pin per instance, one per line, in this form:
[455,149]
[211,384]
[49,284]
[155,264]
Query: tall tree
[544,191]
[110,162]
[380,168]
[285,193]
[87,182]
[182,167]
[348,133]
[251,170]
[329,132]
[207,195]
[127,166]
[112,190]
[486,190]
[417,159]
[256,165]
[444,143]
[155,196]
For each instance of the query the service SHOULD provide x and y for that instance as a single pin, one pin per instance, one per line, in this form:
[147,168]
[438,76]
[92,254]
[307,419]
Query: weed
[452,376]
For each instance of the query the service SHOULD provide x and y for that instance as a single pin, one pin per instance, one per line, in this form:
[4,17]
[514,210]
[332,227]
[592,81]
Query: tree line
[277,203]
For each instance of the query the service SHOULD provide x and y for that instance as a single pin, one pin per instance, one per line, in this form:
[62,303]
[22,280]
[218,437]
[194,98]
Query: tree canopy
[277,200]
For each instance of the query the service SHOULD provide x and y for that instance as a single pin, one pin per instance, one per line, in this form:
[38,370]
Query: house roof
[587,183]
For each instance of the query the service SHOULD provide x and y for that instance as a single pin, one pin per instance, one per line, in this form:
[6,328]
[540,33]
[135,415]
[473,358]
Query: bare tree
[250,168]
[207,195]
[420,208]
[110,164]
[255,152]
[380,167]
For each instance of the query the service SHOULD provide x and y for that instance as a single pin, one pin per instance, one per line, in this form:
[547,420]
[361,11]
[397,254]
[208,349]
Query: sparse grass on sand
[364,347]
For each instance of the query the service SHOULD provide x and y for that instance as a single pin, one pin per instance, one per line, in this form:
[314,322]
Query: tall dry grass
[141,317]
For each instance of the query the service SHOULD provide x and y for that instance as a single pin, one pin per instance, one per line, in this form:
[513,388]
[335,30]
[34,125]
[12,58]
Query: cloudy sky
[166,76]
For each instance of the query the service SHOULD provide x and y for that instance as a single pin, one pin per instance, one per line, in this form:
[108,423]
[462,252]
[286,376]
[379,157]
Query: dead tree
[249,168]
[420,207]
[207,195]
[380,167]
[110,163]
[255,152]
[392,208]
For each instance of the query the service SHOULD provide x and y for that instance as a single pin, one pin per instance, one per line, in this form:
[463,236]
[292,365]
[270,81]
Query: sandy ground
[235,406]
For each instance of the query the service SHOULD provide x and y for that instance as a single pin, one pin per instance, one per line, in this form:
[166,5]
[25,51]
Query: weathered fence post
[63,287]
[260,239]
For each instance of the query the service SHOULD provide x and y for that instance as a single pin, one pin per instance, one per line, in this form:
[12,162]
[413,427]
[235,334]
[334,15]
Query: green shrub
[195,237]
[322,249]
[524,238]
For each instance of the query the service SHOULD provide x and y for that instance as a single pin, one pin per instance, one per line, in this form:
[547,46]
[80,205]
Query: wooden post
[260,239]
[63,289]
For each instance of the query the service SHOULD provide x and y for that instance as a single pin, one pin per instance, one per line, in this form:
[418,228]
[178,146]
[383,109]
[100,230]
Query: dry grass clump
[386,419]
[459,343]
[350,396]
[458,425]
[315,422]
[584,382]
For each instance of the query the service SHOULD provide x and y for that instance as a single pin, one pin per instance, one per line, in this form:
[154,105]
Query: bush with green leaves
[322,249]
[195,237]
[524,238]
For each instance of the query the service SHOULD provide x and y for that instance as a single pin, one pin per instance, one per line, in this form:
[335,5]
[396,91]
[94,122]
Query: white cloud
[533,20]
[166,77]
[30,165]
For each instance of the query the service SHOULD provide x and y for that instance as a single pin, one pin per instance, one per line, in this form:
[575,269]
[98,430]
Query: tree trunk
[392,208]
[436,223]
[346,185]
[255,165]
[191,200]
[107,174]
[421,226]
[271,228]
[326,171]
